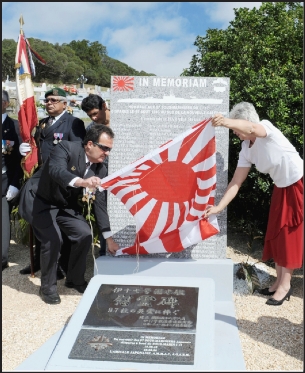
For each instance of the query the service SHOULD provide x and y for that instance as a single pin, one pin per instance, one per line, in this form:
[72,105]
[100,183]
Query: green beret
[55,92]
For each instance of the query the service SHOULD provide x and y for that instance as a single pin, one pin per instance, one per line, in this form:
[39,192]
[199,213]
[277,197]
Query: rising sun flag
[27,112]
[167,192]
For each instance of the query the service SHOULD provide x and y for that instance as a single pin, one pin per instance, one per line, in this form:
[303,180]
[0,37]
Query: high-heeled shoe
[274,302]
[266,291]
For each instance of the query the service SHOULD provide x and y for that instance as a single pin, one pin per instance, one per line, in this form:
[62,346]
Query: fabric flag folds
[27,112]
[167,192]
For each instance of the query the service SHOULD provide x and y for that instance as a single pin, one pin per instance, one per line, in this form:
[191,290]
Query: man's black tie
[49,122]
[90,171]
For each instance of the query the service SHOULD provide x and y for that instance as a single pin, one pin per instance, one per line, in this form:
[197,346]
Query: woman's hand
[218,120]
[211,210]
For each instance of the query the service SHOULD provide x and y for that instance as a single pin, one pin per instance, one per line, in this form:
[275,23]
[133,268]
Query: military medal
[56,138]
[60,136]
[7,146]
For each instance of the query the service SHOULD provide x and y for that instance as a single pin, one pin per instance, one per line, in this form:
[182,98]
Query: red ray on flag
[168,190]
[27,112]
[123,83]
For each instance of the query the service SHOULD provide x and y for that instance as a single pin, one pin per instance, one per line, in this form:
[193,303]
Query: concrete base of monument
[216,344]
[220,270]
[228,351]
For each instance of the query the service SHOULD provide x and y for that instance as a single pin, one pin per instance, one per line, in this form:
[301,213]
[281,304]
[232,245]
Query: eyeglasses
[103,147]
[53,100]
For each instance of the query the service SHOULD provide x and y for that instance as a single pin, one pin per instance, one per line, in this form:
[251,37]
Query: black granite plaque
[134,346]
[154,324]
[150,307]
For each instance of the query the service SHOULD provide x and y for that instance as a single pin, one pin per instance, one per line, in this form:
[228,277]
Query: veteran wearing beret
[58,126]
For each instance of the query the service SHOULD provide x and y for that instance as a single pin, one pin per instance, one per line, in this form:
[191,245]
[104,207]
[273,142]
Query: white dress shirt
[4,115]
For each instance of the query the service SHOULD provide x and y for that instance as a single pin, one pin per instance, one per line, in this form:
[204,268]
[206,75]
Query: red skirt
[284,237]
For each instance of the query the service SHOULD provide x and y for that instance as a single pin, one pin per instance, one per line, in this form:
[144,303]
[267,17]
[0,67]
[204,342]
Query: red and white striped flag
[27,112]
[168,190]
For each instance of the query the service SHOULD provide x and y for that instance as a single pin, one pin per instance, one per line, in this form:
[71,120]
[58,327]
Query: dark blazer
[11,162]
[72,129]
[48,188]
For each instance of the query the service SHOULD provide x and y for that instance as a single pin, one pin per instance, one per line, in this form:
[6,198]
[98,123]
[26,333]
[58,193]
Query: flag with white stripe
[168,190]
[27,111]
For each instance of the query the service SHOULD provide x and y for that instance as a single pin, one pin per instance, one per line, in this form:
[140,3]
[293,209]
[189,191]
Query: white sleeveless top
[273,155]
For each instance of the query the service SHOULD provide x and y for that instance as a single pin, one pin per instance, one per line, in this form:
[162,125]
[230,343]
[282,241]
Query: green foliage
[66,62]
[87,212]
[21,228]
[262,53]
[248,273]
[8,58]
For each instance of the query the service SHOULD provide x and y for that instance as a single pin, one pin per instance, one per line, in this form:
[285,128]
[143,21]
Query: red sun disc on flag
[123,83]
[168,191]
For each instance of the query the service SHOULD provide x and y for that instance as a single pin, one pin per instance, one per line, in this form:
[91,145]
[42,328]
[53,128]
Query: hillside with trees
[66,62]
[262,53]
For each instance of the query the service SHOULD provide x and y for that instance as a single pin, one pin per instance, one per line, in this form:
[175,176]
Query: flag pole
[21,24]
[21,21]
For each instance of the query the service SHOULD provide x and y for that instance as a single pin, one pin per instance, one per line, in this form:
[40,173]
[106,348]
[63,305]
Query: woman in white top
[271,152]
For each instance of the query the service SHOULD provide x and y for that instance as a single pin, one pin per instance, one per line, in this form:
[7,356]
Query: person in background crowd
[58,126]
[50,202]
[265,146]
[11,173]
[96,109]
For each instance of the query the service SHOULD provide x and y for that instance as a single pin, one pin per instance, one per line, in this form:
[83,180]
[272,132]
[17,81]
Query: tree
[262,53]
[71,72]
[66,62]
[8,58]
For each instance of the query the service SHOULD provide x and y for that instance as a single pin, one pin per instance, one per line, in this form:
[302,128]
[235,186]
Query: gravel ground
[271,337]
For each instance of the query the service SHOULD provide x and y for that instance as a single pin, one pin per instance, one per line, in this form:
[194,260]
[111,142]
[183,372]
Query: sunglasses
[103,147]
[53,100]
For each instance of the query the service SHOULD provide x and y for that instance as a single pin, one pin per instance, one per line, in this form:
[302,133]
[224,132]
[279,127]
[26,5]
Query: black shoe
[79,288]
[50,299]
[27,270]
[4,265]
[274,302]
[266,291]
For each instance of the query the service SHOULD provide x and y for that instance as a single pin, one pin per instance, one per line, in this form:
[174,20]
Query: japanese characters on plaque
[140,324]
[144,307]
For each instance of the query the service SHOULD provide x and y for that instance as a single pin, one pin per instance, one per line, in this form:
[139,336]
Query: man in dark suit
[11,173]
[58,126]
[51,203]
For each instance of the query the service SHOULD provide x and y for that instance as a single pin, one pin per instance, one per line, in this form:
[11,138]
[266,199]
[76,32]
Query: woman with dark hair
[265,146]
